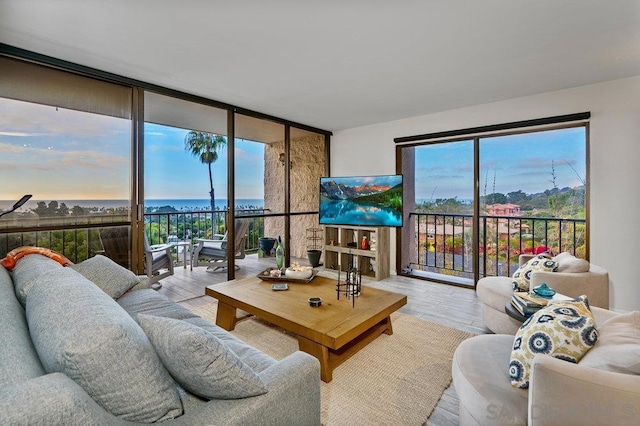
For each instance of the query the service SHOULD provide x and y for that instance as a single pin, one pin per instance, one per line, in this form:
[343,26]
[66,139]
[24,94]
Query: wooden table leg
[320,352]
[226,316]
[389,329]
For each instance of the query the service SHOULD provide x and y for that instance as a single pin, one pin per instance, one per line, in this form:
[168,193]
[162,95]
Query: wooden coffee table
[332,332]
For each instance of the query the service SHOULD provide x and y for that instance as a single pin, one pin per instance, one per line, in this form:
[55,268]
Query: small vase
[543,290]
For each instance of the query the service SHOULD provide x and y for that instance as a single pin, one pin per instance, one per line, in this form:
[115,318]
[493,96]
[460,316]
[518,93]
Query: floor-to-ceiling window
[478,201]
[185,169]
[109,159]
[66,140]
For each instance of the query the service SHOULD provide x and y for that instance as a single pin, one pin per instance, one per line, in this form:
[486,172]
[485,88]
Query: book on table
[521,307]
[529,303]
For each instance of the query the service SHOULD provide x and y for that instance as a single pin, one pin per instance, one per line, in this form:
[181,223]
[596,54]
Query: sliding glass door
[441,216]
[476,204]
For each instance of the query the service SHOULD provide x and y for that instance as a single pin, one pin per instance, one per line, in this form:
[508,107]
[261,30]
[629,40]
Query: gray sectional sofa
[73,351]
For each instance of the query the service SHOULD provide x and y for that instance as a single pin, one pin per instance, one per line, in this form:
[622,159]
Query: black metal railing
[76,237]
[444,242]
[79,238]
[167,227]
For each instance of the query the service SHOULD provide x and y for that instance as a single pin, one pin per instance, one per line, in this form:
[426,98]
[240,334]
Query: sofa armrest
[595,284]
[293,398]
[564,393]
[51,399]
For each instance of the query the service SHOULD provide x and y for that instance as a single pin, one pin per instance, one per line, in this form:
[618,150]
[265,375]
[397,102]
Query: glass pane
[185,170]
[306,239]
[438,242]
[259,173]
[75,164]
[532,196]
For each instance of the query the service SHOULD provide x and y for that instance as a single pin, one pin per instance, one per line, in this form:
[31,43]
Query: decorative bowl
[298,275]
[543,290]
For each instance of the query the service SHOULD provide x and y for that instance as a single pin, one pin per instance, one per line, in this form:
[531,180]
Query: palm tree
[205,146]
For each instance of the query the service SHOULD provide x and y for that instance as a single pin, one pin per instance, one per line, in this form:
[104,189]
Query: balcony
[443,246]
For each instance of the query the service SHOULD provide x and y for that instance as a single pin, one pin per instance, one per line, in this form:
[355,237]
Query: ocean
[185,204]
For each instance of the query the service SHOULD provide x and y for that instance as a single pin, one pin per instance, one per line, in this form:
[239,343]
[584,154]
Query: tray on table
[266,276]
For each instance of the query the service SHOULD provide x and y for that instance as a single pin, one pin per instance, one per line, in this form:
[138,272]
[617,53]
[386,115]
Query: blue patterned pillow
[522,276]
[565,330]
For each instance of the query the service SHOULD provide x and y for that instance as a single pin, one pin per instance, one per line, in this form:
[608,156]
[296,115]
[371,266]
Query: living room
[544,60]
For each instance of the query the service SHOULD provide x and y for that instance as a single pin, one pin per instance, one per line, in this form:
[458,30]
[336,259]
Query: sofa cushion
[256,360]
[28,271]
[112,278]
[569,263]
[618,347]
[153,303]
[19,361]
[522,276]
[565,330]
[80,331]
[199,361]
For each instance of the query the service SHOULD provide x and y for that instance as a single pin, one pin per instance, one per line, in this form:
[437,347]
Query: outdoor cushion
[199,361]
[80,331]
[618,347]
[112,278]
[565,330]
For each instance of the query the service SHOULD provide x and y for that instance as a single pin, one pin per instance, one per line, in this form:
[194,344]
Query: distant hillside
[391,198]
[335,191]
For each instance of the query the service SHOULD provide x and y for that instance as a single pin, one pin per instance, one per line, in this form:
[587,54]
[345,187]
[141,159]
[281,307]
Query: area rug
[394,380]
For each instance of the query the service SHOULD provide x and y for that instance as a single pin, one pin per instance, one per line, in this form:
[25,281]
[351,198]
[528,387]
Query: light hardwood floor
[456,307]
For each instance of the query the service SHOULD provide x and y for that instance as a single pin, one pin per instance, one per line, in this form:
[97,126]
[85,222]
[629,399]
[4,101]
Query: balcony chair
[115,244]
[215,251]
[158,262]
[573,278]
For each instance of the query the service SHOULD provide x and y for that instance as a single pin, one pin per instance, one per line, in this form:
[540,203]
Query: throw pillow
[565,330]
[522,276]
[199,361]
[80,331]
[112,278]
[618,347]
[569,263]
[29,271]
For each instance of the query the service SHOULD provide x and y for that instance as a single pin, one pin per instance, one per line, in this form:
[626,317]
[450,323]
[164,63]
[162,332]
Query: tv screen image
[361,200]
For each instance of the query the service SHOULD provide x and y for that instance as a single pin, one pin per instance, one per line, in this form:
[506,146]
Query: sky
[69,155]
[517,162]
[60,154]
[172,172]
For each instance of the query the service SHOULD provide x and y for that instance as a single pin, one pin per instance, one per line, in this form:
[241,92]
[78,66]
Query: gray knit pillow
[199,361]
[112,278]
[80,331]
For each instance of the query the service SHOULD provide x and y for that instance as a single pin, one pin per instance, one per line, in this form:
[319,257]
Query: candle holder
[352,285]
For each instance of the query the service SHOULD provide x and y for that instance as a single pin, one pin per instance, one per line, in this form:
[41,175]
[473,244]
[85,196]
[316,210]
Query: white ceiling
[339,64]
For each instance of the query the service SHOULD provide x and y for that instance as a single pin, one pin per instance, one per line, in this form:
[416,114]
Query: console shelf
[373,263]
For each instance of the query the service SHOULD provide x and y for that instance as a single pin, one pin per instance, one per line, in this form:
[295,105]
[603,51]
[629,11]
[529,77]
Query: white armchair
[496,292]
[559,392]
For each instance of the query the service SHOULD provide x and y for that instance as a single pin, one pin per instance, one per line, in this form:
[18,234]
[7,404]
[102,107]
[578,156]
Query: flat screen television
[361,200]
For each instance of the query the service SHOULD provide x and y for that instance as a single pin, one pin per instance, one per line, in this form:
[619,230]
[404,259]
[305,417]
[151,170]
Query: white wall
[614,165]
